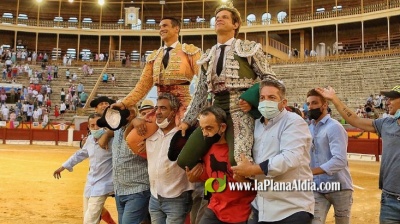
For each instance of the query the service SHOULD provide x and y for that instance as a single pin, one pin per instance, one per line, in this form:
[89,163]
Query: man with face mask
[131,179]
[281,154]
[226,206]
[389,130]
[228,69]
[171,192]
[99,184]
[329,161]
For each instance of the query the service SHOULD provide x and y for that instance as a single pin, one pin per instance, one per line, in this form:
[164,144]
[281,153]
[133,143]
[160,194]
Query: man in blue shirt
[105,78]
[389,130]
[99,184]
[329,162]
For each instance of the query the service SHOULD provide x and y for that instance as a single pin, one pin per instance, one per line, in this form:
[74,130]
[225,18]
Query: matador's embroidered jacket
[245,65]
[174,79]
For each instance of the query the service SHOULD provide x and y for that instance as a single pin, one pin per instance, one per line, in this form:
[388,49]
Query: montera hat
[113,119]
[100,99]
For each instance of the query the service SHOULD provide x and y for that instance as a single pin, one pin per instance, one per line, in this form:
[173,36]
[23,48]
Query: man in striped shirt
[131,179]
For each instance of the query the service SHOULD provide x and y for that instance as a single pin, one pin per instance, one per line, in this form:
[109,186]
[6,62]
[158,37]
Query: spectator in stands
[69,62]
[329,162]
[39,98]
[74,102]
[65,60]
[45,57]
[388,129]
[4,78]
[29,113]
[62,94]
[40,112]
[49,90]
[85,69]
[369,110]
[379,103]
[34,57]
[45,118]
[285,158]
[90,70]
[386,114]
[5,111]
[63,108]
[49,78]
[99,184]
[370,99]
[313,53]
[142,61]
[68,99]
[48,104]
[113,80]
[83,97]
[55,74]
[72,90]
[170,189]
[35,116]
[80,88]
[12,94]
[360,111]
[67,74]
[105,77]
[56,111]
[3,98]
[8,64]
[227,206]
[74,77]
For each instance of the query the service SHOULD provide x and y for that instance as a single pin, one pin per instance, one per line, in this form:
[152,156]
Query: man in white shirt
[281,154]
[170,200]
[40,99]
[5,111]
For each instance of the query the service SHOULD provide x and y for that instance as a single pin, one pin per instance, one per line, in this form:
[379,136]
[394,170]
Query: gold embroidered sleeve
[142,87]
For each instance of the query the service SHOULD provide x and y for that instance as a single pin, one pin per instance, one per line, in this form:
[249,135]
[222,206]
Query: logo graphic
[208,185]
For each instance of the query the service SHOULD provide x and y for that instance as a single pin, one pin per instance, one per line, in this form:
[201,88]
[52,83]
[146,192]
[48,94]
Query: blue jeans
[199,203]
[170,210]
[341,201]
[390,209]
[132,208]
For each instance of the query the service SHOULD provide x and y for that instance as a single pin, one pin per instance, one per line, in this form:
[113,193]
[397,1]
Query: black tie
[166,57]
[220,59]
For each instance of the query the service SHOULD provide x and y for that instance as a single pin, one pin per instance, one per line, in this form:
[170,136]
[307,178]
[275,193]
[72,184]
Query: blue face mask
[97,133]
[269,109]
[397,114]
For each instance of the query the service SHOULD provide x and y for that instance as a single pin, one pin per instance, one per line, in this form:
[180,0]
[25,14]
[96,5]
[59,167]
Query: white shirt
[63,107]
[40,98]
[167,179]
[285,142]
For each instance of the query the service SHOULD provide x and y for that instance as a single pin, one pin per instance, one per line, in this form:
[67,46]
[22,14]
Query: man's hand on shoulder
[183,127]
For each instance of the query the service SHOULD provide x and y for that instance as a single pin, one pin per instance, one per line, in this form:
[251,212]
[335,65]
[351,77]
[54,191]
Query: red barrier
[39,135]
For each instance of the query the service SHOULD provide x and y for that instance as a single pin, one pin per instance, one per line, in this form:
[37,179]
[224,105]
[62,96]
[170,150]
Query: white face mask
[269,109]
[97,133]
[164,123]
